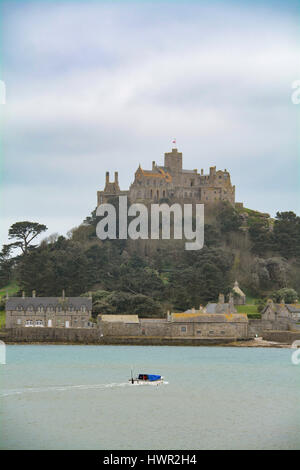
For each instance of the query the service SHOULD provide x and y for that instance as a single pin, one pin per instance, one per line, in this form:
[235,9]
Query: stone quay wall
[285,337]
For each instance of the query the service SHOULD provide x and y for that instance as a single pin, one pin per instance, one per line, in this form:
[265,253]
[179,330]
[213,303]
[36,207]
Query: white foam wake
[63,388]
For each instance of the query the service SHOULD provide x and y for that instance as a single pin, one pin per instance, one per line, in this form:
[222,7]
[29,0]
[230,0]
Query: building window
[39,323]
[19,321]
[222,332]
[183,329]
[40,308]
[198,332]
[83,308]
[211,332]
[29,323]
[19,307]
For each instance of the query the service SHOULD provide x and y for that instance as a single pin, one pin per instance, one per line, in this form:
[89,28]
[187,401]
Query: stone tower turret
[173,160]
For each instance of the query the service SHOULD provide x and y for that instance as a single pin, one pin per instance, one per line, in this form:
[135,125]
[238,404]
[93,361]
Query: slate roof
[76,302]
[293,308]
[209,318]
[120,318]
[224,308]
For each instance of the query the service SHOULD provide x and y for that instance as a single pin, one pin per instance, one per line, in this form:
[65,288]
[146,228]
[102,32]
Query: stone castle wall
[173,183]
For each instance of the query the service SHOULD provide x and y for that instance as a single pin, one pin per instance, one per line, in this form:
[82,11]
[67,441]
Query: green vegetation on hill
[12,289]
[150,276]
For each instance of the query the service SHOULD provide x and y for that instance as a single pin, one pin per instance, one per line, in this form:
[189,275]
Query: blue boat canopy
[150,377]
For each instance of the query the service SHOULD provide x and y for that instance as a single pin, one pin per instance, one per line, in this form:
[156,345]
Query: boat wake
[65,388]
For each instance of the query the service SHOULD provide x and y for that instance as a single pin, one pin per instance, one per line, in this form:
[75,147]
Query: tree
[228,218]
[6,264]
[289,296]
[287,234]
[25,232]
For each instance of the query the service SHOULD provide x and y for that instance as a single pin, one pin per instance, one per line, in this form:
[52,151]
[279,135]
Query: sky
[106,85]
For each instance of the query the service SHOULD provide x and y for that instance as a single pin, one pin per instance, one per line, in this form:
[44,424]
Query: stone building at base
[49,312]
[198,324]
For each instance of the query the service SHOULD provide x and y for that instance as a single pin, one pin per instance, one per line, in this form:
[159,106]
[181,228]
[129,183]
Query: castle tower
[173,160]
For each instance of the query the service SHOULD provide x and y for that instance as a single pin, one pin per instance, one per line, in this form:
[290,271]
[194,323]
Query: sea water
[79,397]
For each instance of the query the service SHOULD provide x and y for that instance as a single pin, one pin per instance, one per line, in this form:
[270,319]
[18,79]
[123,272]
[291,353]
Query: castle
[171,183]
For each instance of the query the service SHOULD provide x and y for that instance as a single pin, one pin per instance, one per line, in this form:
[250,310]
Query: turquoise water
[77,397]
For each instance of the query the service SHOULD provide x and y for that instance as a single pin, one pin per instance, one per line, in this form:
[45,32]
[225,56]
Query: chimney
[202,171]
[231,303]
[153,165]
[221,299]
[23,294]
[107,177]
[33,293]
[63,294]
[90,295]
[116,177]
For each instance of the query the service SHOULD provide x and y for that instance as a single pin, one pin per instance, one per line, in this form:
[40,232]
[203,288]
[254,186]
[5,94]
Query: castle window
[151,193]
[183,329]
[83,308]
[164,193]
[40,308]
[211,332]
[198,332]
[157,193]
[29,323]
[222,332]
[39,323]
[19,321]
[19,307]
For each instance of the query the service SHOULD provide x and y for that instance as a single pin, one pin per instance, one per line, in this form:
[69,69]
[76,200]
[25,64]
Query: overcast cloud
[106,85]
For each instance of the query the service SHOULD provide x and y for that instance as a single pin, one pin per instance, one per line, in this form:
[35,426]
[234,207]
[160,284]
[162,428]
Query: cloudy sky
[106,85]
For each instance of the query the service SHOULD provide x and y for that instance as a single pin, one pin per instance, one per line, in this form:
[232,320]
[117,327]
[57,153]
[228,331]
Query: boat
[146,379]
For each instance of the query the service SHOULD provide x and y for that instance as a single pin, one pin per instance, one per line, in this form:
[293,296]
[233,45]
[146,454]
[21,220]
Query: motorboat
[147,379]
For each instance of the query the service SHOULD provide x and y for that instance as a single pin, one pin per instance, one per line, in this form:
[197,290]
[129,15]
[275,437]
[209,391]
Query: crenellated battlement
[173,183]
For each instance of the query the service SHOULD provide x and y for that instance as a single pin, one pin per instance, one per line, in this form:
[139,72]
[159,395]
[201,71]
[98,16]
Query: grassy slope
[11,289]
[250,309]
